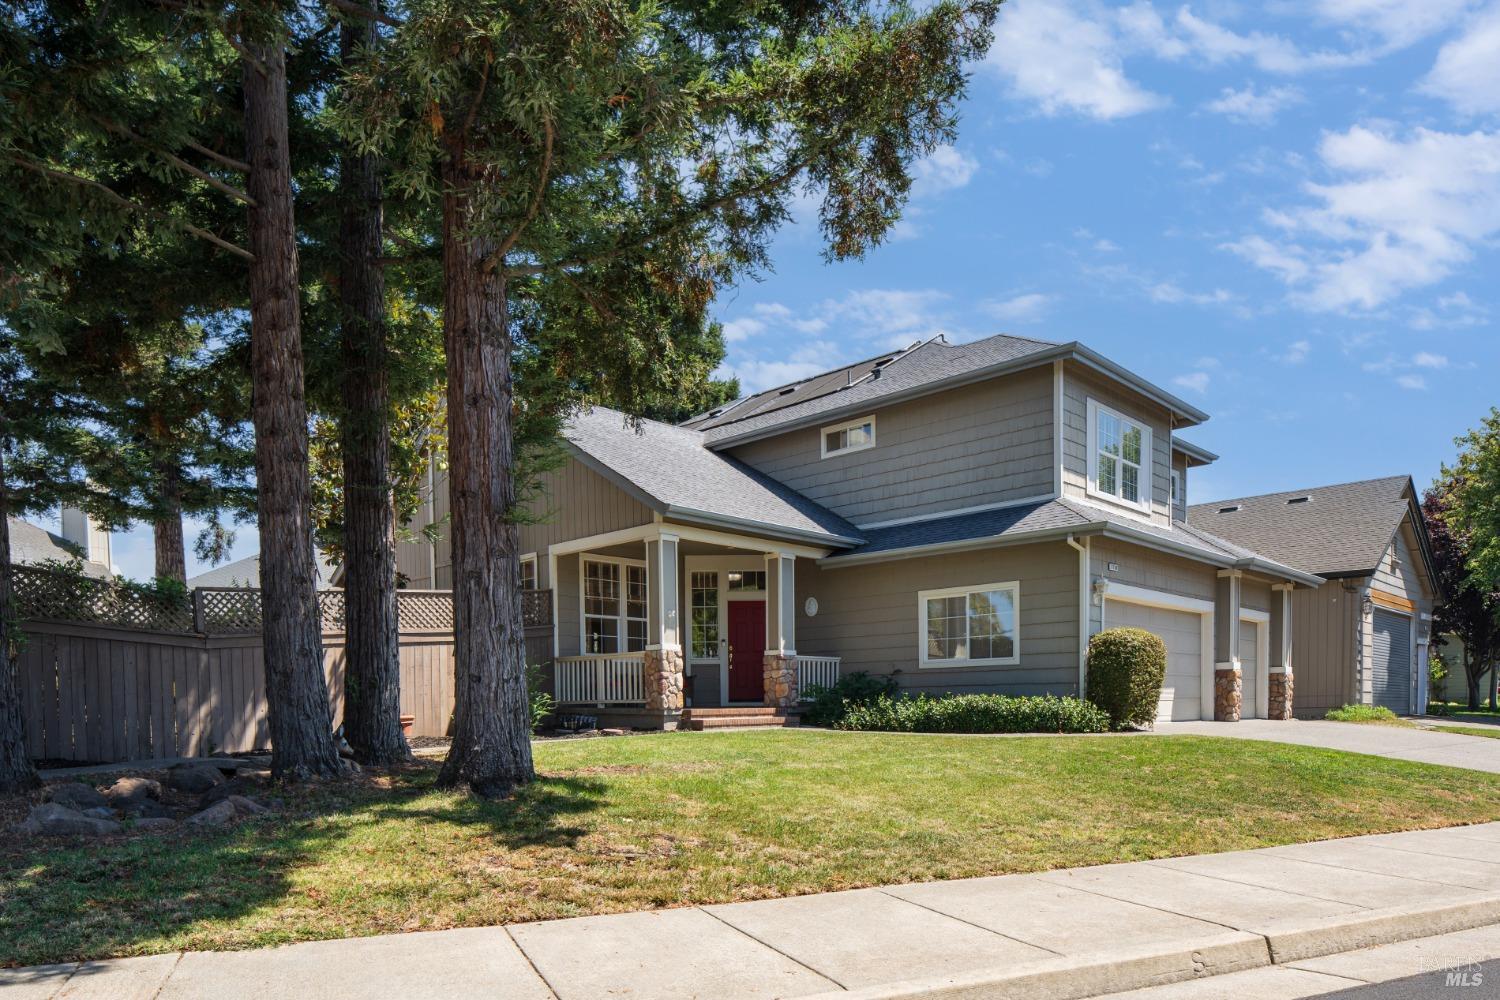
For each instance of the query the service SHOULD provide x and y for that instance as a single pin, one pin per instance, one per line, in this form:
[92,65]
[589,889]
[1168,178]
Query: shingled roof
[1340,530]
[30,543]
[669,469]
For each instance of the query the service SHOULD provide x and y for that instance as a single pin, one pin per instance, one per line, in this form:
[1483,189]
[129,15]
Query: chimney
[91,539]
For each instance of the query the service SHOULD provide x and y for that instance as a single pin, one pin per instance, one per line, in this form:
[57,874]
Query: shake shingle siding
[1079,386]
[869,616]
[980,444]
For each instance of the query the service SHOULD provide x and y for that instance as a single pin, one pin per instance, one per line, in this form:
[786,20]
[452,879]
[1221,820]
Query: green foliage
[1473,508]
[976,713]
[826,706]
[1126,669]
[1470,607]
[1362,713]
[539,701]
[1437,670]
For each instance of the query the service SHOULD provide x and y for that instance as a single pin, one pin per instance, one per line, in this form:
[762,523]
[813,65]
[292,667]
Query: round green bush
[1126,668]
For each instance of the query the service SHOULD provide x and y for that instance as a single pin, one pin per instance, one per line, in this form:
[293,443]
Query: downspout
[1083,613]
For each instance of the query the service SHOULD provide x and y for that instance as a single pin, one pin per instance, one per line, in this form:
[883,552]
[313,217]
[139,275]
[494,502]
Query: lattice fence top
[48,595]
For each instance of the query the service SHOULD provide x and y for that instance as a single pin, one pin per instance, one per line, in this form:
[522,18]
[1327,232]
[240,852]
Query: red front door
[747,647]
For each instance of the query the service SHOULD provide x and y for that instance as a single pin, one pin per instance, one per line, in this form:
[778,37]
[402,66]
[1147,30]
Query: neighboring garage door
[1390,662]
[1249,670]
[1182,631]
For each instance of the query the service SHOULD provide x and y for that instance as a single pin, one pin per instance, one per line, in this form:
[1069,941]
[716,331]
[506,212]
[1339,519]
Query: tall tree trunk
[491,751]
[372,676]
[302,744]
[1472,675]
[171,554]
[16,771]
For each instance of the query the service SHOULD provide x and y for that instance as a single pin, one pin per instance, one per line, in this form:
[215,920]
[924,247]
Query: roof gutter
[960,545]
[1146,538]
[712,520]
[1189,415]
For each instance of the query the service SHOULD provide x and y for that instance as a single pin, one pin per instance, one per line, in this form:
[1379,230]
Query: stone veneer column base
[1227,695]
[663,680]
[1281,695]
[780,677]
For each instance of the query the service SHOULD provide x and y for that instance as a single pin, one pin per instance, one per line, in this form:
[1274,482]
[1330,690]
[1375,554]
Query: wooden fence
[102,691]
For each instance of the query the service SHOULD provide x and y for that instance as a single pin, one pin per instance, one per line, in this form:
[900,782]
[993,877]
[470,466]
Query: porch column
[663,656]
[781,618]
[1280,680]
[1228,693]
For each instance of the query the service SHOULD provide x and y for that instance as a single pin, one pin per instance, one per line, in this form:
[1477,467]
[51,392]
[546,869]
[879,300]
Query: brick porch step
[699,719]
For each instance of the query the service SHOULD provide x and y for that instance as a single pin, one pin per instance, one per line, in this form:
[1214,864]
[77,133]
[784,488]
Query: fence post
[600,672]
[200,620]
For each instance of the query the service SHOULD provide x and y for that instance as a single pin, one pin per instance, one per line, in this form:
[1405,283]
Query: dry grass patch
[675,819]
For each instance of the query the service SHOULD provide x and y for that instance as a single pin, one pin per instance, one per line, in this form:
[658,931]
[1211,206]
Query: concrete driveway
[1397,742]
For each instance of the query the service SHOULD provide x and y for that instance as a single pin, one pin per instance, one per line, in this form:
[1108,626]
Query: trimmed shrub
[1126,668]
[975,713]
[1361,713]
[825,706]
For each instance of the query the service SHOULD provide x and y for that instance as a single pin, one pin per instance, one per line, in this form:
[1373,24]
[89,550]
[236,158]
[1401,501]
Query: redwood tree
[603,167]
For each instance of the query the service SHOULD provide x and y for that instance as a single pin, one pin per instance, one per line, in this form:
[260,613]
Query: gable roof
[1339,530]
[31,544]
[922,369]
[669,469]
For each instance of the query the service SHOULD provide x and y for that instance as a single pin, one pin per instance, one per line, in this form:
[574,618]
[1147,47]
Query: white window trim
[530,557]
[1177,497]
[924,596]
[622,629]
[1148,459]
[846,425]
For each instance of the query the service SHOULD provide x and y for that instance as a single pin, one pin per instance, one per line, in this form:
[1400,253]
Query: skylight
[1230,509]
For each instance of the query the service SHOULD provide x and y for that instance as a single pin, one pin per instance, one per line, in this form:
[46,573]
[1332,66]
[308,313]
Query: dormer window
[856,435]
[1119,457]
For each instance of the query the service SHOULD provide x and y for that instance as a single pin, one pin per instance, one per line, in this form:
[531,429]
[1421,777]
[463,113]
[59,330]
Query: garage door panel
[1182,632]
[1390,661]
[1249,670]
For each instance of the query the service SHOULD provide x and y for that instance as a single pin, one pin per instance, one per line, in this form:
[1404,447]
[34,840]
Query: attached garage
[1182,624]
[1390,661]
[1255,691]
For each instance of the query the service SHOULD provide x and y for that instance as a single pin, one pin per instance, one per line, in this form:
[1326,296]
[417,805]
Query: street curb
[1233,951]
[1376,927]
[1077,978]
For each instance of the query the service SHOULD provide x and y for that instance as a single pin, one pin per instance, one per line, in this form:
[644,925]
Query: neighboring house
[80,539]
[246,573]
[959,517]
[1362,637]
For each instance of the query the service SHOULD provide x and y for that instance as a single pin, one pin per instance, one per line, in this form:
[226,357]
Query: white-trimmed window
[1176,486]
[1119,457]
[705,624]
[614,606]
[528,572]
[856,435]
[970,626]
[746,580]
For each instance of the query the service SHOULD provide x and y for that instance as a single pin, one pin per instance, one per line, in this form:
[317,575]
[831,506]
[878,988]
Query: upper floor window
[970,626]
[856,435]
[528,572]
[1176,486]
[1119,457]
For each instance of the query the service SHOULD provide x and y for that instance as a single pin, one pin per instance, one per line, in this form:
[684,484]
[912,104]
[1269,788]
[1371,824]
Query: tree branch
[536,200]
[178,162]
[133,206]
[360,10]
[227,161]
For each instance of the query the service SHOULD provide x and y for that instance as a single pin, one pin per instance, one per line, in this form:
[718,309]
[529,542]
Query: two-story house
[959,517]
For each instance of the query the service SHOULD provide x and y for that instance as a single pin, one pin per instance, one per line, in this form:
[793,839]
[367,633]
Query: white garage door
[1249,670]
[1182,631]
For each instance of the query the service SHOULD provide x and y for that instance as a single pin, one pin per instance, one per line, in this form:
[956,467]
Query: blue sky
[1285,212]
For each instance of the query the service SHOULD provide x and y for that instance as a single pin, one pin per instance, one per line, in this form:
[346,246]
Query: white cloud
[1216,44]
[1397,23]
[1020,309]
[1404,213]
[1065,56]
[742,329]
[1413,382]
[1467,71]
[773,310]
[1193,381]
[887,310]
[1296,353]
[1254,107]
[1425,359]
[1170,293]
[946,169]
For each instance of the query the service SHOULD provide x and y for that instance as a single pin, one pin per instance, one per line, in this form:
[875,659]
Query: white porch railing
[604,679]
[822,671]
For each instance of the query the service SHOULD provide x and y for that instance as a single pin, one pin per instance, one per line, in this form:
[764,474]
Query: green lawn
[1460,710]
[1490,734]
[670,819]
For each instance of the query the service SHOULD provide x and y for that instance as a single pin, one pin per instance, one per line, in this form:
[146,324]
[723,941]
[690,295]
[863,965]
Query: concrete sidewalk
[1064,934]
[1396,742]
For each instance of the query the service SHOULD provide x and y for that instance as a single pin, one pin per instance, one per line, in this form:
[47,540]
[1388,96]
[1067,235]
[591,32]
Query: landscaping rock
[143,808]
[56,819]
[215,815]
[76,795]
[99,812]
[246,807]
[149,823]
[193,778]
[133,788]
[234,786]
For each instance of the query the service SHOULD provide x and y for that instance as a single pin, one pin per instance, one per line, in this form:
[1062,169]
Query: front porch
[678,618]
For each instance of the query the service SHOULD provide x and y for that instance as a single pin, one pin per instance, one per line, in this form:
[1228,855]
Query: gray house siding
[1255,594]
[1080,385]
[1179,508]
[979,444]
[1325,645]
[1399,574]
[868,616]
[1141,567]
